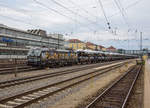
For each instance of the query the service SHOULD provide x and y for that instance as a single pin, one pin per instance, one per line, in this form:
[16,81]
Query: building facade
[14,38]
[111,49]
[76,44]
[102,48]
[91,46]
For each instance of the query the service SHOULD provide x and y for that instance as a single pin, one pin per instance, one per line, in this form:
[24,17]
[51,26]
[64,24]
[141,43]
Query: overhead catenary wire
[101,5]
[26,23]
[23,12]
[123,10]
[84,10]
[126,8]
[80,7]
[129,6]
[22,21]
[90,14]
[75,13]
[125,13]
[54,10]
[119,2]
[19,20]
[122,13]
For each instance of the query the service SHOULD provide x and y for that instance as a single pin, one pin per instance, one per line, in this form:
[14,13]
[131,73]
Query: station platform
[147,84]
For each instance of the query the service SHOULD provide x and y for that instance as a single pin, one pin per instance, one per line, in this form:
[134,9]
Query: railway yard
[74,54]
[114,84]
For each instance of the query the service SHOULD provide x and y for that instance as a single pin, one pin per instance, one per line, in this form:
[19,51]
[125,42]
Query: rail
[116,95]
[31,96]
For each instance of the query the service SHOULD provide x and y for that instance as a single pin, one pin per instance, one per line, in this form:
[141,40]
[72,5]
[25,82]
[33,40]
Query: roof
[89,43]
[88,47]
[75,41]
[22,31]
[38,32]
[111,48]
[100,46]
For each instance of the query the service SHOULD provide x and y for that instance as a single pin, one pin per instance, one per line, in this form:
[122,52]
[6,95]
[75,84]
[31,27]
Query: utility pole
[58,41]
[141,43]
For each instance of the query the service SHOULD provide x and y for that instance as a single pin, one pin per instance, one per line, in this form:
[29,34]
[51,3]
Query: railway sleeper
[5,106]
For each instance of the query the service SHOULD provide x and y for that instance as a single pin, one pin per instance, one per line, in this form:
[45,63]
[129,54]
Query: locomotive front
[34,57]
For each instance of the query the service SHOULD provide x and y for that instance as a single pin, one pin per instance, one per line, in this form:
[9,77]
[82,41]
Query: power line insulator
[108,23]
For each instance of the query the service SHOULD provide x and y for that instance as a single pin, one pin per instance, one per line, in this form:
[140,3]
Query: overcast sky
[83,19]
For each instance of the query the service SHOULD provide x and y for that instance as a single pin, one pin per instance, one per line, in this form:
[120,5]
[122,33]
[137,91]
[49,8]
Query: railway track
[15,82]
[7,63]
[3,65]
[11,68]
[28,97]
[116,95]
[18,68]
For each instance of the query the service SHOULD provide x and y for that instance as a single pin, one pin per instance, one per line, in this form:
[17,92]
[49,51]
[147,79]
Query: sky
[86,20]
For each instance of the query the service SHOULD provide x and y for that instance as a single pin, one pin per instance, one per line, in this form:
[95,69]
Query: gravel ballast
[10,91]
[79,98]
[76,95]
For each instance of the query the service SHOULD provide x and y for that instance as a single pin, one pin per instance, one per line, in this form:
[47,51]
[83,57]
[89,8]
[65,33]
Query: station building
[15,42]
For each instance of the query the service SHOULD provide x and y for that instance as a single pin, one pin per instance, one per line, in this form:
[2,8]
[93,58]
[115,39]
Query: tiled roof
[111,47]
[100,46]
[75,41]
[89,43]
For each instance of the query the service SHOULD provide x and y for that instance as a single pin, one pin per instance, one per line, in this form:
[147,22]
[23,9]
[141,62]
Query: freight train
[45,57]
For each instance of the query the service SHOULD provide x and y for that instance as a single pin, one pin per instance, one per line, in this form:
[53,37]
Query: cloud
[82,19]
